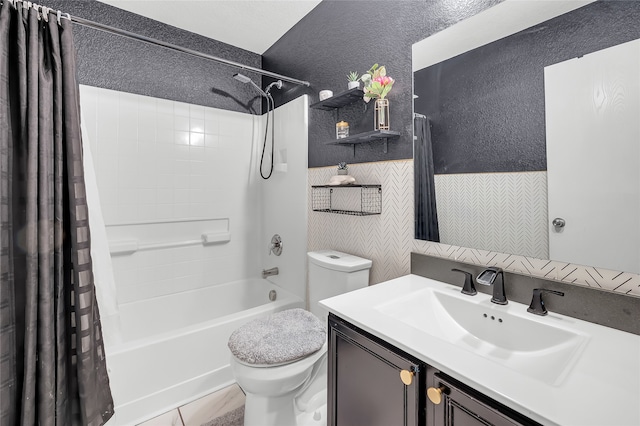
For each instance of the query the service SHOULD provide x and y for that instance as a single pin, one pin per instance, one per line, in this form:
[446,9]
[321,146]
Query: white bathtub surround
[284,197]
[387,239]
[183,208]
[157,258]
[174,347]
[159,161]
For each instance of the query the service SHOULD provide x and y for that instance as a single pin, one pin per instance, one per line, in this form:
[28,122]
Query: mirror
[495,101]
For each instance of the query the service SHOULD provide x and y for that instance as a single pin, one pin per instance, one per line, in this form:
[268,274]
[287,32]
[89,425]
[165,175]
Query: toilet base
[261,410]
[307,407]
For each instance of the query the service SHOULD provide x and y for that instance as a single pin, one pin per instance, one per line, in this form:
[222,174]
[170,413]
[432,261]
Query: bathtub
[170,350]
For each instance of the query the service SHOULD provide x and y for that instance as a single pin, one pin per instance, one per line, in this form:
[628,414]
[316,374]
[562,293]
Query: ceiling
[254,25]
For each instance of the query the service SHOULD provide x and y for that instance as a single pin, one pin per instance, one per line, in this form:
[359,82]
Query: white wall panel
[285,196]
[161,164]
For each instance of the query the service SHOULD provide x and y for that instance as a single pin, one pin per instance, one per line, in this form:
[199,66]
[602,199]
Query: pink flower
[383,80]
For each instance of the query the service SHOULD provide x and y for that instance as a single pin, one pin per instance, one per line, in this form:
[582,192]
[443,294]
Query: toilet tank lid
[338,261]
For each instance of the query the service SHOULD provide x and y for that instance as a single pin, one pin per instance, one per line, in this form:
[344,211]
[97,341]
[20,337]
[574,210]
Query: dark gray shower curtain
[426,214]
[52,361]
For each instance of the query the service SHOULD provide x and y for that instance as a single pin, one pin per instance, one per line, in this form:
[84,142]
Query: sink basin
[543,348]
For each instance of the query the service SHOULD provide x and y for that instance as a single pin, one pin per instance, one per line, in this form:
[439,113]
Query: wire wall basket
[355,200]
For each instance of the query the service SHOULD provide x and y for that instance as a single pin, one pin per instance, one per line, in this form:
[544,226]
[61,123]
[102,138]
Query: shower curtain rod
[149,40]
[177,48]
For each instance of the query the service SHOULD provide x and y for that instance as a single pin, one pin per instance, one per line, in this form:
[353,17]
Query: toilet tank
[332,273]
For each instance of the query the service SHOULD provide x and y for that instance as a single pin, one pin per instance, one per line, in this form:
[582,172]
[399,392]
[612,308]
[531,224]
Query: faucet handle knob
[276,245]
[468,287]
[537,304]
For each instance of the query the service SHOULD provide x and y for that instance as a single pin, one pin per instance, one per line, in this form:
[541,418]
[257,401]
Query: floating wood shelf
[371,136]
[345,98]
[366,137]
[337,101]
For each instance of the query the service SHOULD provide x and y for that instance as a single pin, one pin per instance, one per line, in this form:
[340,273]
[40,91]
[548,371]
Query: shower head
[278,85]
[244,79]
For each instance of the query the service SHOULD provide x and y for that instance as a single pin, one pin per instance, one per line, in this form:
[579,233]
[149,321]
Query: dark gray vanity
[376,384]
[422,350]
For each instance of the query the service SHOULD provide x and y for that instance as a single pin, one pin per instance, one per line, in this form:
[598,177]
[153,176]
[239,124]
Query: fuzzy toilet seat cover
[280,338]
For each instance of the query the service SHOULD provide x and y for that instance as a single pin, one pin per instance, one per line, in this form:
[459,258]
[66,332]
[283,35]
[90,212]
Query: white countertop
[601,388]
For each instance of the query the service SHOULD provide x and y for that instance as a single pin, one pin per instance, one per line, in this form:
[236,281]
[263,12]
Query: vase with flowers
[377,85]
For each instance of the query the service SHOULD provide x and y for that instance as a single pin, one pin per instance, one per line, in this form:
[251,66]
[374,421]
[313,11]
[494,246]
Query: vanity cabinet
[451,403]
[370,382]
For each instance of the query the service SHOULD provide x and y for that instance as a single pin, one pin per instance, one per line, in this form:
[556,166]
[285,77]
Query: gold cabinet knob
[435,394]
[406,376]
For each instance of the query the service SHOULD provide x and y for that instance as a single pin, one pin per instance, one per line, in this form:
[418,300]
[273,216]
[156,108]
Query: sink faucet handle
[537,304]
[468,287]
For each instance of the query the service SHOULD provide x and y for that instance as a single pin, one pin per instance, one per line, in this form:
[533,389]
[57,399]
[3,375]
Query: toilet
[280,361]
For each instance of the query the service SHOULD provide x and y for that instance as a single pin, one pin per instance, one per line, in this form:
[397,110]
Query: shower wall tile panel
[118,63]
[387,239]
[163,162]
[503,212]
[284,197]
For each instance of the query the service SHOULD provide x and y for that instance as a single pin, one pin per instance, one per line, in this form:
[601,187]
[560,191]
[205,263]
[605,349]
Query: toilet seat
[277,372]
[279,339]
[280,364]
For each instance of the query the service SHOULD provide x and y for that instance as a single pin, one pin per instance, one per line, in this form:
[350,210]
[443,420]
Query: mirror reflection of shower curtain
[426,214]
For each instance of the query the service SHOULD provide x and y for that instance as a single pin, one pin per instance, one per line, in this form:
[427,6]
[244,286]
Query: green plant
[343,166]
[353,76]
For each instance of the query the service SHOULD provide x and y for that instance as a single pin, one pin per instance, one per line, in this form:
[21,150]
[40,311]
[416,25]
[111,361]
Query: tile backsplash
[387,239]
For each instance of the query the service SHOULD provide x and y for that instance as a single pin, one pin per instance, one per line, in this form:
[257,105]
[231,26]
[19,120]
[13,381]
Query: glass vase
[381,121]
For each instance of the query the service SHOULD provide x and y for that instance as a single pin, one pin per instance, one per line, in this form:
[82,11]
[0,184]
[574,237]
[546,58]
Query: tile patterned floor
[222,408]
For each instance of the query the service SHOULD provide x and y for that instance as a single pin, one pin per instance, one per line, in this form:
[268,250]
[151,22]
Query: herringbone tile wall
[387,239]
[503,212]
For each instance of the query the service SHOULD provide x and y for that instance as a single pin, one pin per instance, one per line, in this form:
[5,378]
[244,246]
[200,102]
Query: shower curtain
[426,214]
[52,365]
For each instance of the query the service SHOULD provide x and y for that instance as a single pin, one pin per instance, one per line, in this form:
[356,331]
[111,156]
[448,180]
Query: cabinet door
[462,406]
[364,383]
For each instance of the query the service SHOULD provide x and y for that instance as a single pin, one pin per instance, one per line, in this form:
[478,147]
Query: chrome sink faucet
[495,277]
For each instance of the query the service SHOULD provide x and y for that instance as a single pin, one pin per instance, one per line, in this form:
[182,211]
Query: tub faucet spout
[268,272]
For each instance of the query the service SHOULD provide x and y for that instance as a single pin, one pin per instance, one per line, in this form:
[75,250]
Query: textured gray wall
[118,63]
[341,36]
[487,105]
